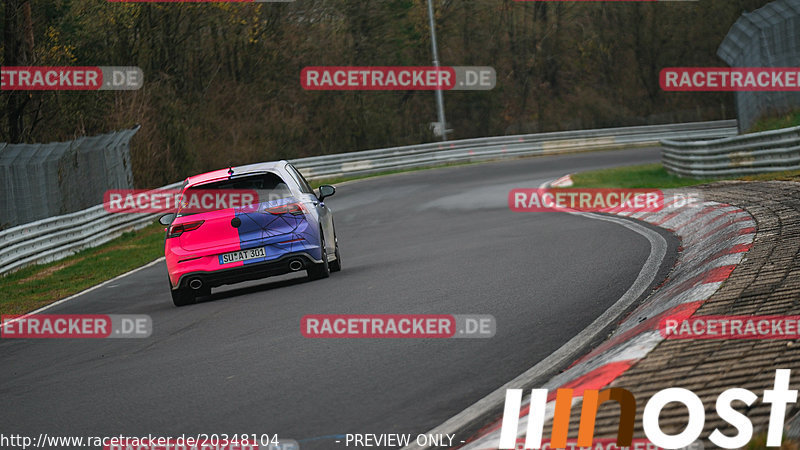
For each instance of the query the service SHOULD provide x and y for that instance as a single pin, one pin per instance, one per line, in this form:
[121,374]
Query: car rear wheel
[322,270]
[336,265]
[183,297]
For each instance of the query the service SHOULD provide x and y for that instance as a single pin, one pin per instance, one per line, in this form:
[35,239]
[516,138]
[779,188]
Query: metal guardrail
[482,149]
[56,237]
[768,151]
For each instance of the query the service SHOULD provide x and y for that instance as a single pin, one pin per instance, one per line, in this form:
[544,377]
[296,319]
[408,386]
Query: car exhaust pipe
[196,283]
[295,265]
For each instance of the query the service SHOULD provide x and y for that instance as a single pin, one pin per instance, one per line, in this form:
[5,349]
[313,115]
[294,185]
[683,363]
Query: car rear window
[269,186]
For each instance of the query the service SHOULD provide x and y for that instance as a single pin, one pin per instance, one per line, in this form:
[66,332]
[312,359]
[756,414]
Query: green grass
[655,176]
[788,120]
[32,287]
[786,175]
[643,176]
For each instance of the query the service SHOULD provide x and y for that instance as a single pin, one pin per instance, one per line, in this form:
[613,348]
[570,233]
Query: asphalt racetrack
[438,241]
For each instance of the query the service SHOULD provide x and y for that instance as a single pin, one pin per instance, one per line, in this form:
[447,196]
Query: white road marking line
[85,291]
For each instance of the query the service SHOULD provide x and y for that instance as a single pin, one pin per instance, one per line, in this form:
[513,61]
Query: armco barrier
[769,151]
[481,149]
[56,237]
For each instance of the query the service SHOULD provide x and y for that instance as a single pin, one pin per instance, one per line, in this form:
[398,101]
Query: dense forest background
[222,81]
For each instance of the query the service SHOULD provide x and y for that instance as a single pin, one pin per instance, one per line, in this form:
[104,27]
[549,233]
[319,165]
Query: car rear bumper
[285,264]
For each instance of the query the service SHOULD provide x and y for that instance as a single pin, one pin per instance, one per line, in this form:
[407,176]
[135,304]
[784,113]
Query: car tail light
[295,209]
[178,230]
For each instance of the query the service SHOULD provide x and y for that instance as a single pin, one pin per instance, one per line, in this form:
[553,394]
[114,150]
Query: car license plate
[242,255]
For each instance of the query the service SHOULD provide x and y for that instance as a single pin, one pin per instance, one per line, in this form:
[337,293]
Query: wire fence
[45,180]
[766,37]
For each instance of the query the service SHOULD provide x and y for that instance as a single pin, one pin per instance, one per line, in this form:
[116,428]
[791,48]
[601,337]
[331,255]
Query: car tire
[336,265]
[183,297]
[322,270]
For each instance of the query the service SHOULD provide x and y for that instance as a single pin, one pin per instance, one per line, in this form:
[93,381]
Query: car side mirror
[326,191]
[166,219]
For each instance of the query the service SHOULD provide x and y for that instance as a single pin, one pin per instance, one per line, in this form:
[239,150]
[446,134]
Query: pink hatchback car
[287,230]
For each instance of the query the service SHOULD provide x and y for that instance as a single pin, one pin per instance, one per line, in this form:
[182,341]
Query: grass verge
[32,287]
[655,176]
[791,119]
[632,177]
